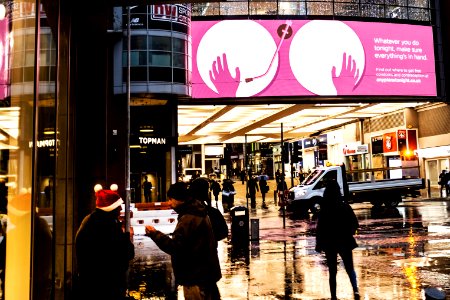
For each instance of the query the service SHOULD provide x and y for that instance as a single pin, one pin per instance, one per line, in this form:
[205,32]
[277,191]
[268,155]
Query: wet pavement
[401,252]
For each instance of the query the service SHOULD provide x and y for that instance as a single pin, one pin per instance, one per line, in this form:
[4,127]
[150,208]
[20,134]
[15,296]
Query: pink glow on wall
[4,51]
[246,58]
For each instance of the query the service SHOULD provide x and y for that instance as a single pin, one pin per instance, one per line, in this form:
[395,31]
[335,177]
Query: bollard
[254,229]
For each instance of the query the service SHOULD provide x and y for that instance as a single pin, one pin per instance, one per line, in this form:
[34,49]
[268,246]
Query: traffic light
[285,153]
[294,157]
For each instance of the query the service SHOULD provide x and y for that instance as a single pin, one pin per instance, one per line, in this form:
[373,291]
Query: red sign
[390,142]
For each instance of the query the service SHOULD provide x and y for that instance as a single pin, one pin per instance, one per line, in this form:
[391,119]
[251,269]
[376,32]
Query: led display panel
[257,58]
[4,54]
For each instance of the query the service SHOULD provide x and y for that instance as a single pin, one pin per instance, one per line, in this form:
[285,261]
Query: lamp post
[282,177]
[127,152]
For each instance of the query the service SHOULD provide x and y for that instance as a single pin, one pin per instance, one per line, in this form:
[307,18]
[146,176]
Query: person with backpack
[228,192]
[336,226]
[192,246]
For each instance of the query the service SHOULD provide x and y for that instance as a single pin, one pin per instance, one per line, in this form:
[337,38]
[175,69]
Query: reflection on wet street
[401,252]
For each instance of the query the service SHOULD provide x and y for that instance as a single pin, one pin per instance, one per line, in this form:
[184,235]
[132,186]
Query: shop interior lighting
[202,124]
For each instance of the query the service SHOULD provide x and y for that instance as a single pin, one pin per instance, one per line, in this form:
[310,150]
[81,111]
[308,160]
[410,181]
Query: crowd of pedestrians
[104,249]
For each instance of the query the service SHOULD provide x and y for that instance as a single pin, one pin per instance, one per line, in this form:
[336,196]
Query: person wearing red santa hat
[103,249]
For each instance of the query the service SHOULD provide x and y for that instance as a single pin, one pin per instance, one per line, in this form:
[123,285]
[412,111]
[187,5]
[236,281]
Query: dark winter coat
[215,188]
[227,186]
[103,253]
[252,186]
[263,185]
[192,247]
[336,226]
[282,186]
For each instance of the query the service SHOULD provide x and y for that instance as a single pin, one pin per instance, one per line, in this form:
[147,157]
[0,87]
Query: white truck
[389,192]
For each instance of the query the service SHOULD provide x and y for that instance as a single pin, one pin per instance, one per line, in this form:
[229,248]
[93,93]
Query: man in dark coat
[282,191]
[442,183]
[215,188]
[252,188]
[446,180]
[192,246]
[147,186]
[264,188]
[103,249]
[228,192]
[336,225]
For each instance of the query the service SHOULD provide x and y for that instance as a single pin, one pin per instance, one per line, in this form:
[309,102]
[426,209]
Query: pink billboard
[248,58]
[4,53]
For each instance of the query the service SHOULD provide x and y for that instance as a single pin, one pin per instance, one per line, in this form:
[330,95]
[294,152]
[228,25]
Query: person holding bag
[336,226]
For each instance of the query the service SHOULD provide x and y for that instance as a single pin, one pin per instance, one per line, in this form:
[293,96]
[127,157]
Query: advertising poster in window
[257,58]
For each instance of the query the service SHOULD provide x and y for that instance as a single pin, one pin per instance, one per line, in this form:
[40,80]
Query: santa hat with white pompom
[107,200]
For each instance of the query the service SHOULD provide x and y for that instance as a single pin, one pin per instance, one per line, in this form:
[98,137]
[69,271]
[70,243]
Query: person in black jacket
[252,188]
[264,188]
[446,180]
[103,249]
[192,246]
[228,192]
[442,183]
[215,188]
[282,191]
[336,225]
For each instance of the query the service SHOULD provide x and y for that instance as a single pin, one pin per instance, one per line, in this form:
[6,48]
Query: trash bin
[239,226]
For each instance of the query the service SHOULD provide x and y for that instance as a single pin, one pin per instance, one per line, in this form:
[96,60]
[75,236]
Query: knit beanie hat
[107,200]
[178,191]
[199,189]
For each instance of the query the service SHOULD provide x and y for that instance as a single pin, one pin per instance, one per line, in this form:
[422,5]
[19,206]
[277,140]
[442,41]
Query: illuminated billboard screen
[249,58]
[4,53]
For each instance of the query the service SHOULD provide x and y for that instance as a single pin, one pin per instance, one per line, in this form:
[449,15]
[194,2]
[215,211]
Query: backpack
[218,223]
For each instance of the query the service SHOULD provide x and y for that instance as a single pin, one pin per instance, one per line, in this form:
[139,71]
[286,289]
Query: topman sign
[152,141]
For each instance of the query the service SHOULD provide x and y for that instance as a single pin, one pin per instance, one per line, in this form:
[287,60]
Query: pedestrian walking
[446,181]
[264,188]
[443,183]
[147,186]
[281,190]
[228,192]
[243,176]
[192,246]
[215,188]
[103,249]
[252,188]
[336,225]
[277,176]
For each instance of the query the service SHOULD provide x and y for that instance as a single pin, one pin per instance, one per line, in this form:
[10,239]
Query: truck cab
[389,191]
[308,194]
